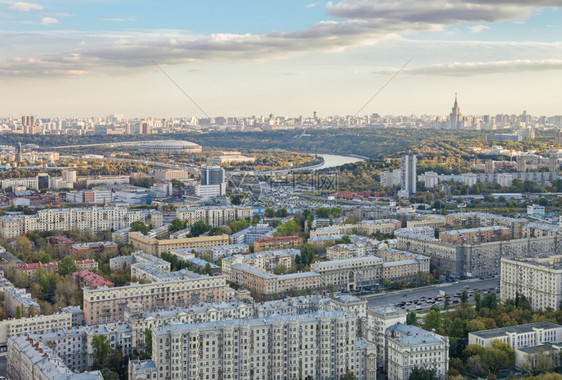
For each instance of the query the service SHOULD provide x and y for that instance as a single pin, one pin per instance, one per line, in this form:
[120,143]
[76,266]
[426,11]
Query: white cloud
[361,22]
[312,5]
[49,20]
[25,7]
[119,19]
[483,68]
[478,28]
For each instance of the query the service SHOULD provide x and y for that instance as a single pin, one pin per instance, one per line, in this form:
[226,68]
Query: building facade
[324,345]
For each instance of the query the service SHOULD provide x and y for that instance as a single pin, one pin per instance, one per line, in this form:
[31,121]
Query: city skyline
[283,57]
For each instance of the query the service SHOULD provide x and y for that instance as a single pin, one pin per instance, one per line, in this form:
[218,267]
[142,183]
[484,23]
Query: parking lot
[425,298]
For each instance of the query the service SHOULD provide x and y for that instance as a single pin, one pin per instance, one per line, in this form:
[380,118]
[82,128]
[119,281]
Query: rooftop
[493,333]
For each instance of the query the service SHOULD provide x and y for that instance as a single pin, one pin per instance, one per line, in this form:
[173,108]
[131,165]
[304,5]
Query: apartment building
[155,246]
[28,325]
[104,305]
[94,219]
[538,279]
[432,221]
[345,251]
[219,252]
[374,328]
[350,274]
[32,270]
[33,360]
[464,220]
[17,299]
[475,235]
[88,279]
[408,347]
[125,262]
[323,345]
[93,248]
[478,260]
[528,335]
[213,215]
[74,345]
[266,261]
[275,243]
[250,234]
[534,229]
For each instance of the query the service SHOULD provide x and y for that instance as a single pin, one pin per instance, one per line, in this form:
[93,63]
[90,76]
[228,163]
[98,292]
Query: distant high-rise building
[408,173]
[69,176]
[43,181]
[20,152]
[145,128]
[212,175]
[521,165]
[28,124]
[489,166]
[558,137]
[455,119]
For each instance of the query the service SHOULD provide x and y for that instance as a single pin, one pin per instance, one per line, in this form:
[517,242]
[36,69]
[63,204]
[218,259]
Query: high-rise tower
[408,175]
[455,119]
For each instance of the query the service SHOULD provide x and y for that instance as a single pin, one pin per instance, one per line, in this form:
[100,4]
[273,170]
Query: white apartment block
[529,335]
[374,328]
[539,280]
[410,346]
[323,345]
[213,215]
[94,219]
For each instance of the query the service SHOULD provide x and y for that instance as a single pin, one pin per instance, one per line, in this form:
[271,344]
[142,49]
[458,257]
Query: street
[421,295]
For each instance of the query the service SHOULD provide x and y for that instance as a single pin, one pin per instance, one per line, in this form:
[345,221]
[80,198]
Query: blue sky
[287,57]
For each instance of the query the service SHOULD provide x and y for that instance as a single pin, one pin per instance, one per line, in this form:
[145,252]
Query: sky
[68,58]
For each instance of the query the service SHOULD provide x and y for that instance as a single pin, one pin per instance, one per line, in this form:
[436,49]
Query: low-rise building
[94,248]
[18,299]
[528,335]
[275,243]
[88,279]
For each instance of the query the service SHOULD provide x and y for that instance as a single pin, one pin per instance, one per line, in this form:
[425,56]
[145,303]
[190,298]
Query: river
[333,161]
